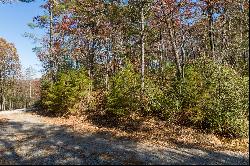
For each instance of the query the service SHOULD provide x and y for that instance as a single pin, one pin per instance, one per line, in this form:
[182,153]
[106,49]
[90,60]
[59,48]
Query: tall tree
[9,69]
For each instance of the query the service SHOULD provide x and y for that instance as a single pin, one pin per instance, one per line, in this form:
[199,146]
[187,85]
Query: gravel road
[27,139]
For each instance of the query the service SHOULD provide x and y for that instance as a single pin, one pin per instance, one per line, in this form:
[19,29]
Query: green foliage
[154,97]
[211,96]
[60,97]
[124,94]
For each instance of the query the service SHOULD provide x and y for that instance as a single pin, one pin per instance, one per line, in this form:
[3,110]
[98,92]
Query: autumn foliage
[183,61]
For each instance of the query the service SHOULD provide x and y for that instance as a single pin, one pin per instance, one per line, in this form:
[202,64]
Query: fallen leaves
[154,131]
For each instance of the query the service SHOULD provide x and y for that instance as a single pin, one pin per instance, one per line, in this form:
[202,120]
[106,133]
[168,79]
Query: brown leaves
[9,59]
[154,132]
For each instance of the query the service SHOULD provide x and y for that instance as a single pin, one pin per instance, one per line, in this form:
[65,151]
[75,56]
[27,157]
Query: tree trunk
[91,58]
[108,43]
[10,104]
[3,103]
[211,31]
[142,51]
[52,65]
[30,90]
[175,50]
[183,60]
[161,55]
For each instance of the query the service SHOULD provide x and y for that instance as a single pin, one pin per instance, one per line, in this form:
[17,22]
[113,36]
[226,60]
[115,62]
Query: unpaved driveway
[27,139]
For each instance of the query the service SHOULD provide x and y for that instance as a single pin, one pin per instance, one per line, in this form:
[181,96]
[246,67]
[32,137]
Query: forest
[17,88]
[183,61]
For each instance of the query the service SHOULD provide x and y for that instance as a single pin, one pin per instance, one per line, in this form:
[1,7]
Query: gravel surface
[26,139]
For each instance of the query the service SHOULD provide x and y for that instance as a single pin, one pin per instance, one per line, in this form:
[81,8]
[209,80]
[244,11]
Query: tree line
[182,60]
[17,89]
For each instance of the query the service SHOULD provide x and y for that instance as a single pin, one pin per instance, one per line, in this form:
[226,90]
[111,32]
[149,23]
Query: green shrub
[124,94]
[156,90]
[211,96]
[228,103]
[61,96]
[154,98]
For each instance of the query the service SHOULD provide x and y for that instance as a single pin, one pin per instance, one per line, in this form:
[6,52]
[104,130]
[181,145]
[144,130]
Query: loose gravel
[27,139]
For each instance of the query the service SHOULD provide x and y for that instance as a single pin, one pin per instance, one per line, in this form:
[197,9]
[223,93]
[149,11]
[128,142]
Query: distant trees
[9,71]
[15,90]
[29,74]
[27,92]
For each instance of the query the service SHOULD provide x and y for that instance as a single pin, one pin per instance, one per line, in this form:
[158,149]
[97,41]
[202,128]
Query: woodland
[183,61]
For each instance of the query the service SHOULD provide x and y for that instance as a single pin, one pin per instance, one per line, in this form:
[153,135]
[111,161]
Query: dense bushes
[124,95]
[211,96]
[61,96]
